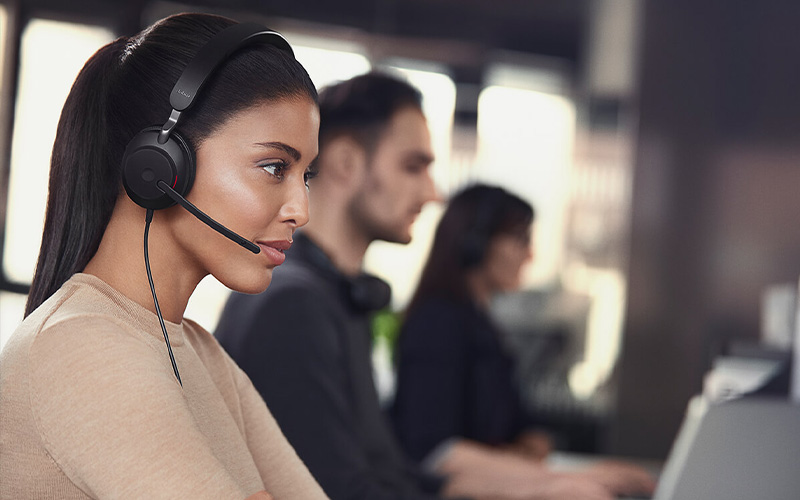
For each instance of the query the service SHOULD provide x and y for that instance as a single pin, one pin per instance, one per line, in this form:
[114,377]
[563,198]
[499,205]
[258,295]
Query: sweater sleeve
[431,401]
[113,418]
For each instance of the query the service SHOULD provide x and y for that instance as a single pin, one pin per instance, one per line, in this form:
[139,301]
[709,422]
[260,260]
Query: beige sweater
[90,408]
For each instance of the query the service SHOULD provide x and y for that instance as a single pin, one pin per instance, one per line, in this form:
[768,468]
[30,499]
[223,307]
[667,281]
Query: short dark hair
[123,88]
[496,210]
[362,107]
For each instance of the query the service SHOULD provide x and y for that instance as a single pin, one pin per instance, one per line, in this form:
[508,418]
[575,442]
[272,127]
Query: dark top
[454,380]
[307,350]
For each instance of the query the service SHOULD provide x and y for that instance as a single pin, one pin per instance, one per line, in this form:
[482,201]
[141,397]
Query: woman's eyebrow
[295,154]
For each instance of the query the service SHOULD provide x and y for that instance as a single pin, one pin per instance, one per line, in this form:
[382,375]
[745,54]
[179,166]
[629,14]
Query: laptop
[743,449]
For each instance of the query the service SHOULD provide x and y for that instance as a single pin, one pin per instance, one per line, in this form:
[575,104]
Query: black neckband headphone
[158,167]
[364,292]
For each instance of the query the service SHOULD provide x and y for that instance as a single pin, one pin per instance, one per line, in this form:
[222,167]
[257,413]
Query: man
[305,343]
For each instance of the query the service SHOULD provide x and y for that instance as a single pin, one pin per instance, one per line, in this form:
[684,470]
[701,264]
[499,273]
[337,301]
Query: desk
[566,461]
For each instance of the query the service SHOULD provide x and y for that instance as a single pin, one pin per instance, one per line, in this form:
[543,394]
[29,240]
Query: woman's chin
[252,284]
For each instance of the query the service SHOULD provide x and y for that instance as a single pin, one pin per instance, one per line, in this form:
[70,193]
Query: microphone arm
[216,226]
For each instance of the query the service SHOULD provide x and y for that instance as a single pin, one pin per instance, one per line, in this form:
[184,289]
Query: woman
[96,402]
[456,400]
[454,376]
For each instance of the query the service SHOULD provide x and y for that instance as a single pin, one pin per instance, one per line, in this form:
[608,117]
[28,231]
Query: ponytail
[84,182]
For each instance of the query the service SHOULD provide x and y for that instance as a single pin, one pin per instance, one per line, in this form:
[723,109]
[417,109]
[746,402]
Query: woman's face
[506,254]
[251,177]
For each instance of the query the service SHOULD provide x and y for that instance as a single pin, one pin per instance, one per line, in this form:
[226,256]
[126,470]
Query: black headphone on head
[477,237]
[158,167]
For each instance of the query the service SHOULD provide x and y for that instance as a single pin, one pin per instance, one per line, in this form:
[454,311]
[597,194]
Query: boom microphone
[216,226]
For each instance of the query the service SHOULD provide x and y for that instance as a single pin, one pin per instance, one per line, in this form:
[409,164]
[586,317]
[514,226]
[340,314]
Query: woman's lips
[274,250]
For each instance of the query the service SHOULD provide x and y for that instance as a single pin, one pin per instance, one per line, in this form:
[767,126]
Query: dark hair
[473,217]
[362,107]
[123,88]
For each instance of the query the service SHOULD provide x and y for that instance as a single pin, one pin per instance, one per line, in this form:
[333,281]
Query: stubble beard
[369,224]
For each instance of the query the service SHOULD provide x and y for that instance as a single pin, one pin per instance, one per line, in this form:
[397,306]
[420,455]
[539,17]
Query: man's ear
[345,160]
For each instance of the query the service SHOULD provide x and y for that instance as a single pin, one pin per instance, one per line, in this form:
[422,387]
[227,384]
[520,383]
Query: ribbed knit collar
[135,313]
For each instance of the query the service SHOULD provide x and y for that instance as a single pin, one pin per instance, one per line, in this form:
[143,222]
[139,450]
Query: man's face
[397,182]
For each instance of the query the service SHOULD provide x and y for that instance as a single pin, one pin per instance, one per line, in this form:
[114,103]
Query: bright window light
[328,61]
[607,290]
[12,305]
[45,78]
[12,308]
[3,36]
[438,104]
[525,144]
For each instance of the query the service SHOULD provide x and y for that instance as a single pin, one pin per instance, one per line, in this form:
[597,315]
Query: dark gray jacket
[306,348]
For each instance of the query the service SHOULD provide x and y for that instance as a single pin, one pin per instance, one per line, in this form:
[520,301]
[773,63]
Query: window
[45,77]
[525,144]
[328,61]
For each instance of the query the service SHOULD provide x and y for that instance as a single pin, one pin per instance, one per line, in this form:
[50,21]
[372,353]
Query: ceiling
[551,28]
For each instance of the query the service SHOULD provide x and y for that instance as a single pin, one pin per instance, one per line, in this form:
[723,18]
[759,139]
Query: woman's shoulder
[85,299]
[202,341]
[78,318]
[73,306]
[76,340]
[210,352]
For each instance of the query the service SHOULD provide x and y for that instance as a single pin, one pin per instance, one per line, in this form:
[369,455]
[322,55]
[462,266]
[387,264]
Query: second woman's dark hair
[123,88]
[472,218]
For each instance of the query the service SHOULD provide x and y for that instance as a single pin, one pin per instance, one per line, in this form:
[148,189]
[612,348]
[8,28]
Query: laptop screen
[743,449]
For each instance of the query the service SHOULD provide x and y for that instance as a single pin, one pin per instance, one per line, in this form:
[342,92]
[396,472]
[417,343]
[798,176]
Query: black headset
[476,239]
[158,167]
[367,293]
[364,292]
[158,155]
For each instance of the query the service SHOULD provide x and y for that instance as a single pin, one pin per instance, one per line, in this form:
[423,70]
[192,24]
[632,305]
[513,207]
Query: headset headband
[210,56]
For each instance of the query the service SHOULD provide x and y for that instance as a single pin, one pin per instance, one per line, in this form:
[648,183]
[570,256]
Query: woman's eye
[308,176]
[276,169]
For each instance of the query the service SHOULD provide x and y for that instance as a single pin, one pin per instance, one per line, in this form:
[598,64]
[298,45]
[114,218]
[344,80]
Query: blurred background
[658,140]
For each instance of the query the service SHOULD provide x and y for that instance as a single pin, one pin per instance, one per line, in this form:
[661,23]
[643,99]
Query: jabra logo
[184,94]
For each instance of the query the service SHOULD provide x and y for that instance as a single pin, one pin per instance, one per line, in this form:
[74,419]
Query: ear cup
[145,162]
[364,292]
[479,234]
[474,247]
[368,292]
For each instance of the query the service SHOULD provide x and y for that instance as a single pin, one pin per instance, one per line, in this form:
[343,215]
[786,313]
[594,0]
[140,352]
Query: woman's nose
[295,209]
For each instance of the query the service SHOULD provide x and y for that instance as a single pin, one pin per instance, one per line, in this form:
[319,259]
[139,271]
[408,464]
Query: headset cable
[147,220]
